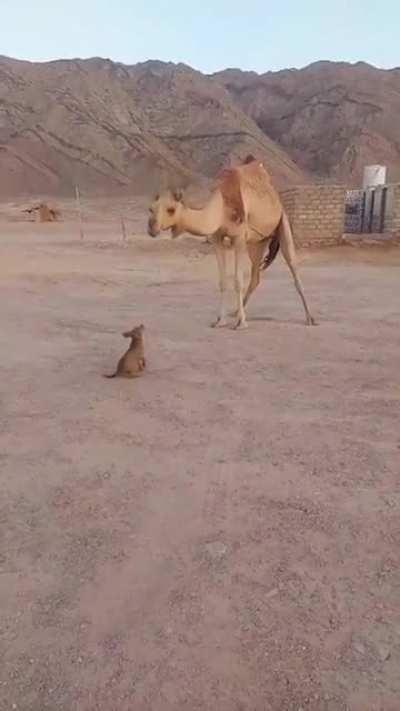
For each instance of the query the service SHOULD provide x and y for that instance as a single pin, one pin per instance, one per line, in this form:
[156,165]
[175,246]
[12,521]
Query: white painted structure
[374,175]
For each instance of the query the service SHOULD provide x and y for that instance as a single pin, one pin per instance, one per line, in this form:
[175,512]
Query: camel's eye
[171,211]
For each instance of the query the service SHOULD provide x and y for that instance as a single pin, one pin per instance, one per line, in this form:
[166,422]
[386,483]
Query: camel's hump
[232,182]
[253,175]
[229,185]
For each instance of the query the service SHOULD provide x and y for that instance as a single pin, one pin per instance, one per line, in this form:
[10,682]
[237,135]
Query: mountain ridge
[111,127]
[332,118]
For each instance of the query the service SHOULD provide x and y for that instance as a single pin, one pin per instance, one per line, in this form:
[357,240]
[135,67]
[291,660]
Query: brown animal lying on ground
[46,213]
[133,362]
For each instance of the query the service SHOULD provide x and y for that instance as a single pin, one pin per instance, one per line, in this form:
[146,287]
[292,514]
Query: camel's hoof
[219,323]
[311,322]
[240,326]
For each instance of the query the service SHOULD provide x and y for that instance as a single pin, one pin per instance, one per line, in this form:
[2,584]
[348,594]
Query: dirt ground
[222,534]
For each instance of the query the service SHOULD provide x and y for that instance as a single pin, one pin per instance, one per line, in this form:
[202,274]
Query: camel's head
[165,212]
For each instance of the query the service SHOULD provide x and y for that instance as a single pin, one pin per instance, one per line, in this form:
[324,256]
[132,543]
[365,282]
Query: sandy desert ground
[222,534]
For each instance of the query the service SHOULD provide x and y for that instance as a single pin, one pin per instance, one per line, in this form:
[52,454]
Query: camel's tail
[272,252]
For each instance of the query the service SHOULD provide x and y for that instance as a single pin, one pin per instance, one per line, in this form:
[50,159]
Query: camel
[46,214]
[246,208]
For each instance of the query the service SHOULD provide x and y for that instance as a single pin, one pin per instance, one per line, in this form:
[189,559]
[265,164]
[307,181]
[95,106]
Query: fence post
[79,208]
[123,229]
[383,209]
[371,211]
[363,205]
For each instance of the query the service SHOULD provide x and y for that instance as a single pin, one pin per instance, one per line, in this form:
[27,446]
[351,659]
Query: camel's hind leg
[289,253]
[240,261]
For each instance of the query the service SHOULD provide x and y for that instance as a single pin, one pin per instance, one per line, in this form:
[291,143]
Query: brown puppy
[133,362]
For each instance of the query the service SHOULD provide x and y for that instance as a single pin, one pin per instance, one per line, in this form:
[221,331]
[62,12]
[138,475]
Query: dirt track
[222,534]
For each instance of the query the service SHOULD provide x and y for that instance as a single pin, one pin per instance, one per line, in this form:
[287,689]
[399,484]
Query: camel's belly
[259,229]
[253,236]
[264,215]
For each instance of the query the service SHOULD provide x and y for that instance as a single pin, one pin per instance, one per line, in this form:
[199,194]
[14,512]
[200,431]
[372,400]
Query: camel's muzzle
[176,231]
[152,228]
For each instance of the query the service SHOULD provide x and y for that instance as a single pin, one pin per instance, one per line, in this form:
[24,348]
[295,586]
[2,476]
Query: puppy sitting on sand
[133,362]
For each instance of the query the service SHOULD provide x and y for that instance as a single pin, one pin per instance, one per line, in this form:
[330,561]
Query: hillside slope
[111,127]
[332,118]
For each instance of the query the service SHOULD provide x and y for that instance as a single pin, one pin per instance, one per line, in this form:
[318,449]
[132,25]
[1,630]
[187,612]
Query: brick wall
[316,213]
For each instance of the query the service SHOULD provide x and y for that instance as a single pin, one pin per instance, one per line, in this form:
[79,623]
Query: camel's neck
[205,221]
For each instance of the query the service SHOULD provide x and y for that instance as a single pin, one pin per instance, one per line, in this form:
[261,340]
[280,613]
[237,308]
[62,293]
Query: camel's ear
[178,195]
[157,196]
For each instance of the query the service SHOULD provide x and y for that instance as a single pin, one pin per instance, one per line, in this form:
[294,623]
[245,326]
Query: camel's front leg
[256,252]
[220,253]
[240,264]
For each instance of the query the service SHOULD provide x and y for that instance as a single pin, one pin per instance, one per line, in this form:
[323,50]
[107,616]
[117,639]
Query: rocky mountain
[332,118]
[110,127]
[115,128]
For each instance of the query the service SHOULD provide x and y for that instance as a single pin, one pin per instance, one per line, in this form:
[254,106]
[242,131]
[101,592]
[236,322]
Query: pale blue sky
[251,34]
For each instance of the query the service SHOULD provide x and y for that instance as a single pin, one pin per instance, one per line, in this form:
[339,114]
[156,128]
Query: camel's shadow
[272,319]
